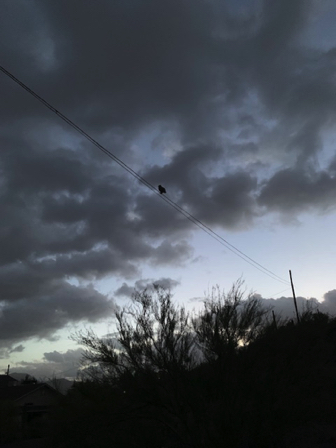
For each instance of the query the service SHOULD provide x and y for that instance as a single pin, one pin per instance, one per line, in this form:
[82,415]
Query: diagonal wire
[173,204]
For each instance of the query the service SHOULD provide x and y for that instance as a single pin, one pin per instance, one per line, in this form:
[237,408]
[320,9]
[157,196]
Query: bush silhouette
[224,377]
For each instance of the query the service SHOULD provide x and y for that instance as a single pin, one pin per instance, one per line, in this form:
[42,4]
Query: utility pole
[294,297]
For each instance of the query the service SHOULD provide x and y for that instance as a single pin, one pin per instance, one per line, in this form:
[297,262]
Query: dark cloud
[227,200]
[54,356]
[7,347]
[70,356]
[54,365]
[296,189]
[42,315]
[168,250]
[18,349]
[246,103]
[127,291]
[77,225]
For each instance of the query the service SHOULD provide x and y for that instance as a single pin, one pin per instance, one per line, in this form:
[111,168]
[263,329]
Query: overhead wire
[173,204]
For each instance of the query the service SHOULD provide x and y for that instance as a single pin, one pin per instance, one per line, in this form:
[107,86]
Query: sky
[230,105]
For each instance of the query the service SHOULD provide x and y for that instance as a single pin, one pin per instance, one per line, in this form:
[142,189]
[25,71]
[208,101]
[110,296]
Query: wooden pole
[294,297]
[274,321]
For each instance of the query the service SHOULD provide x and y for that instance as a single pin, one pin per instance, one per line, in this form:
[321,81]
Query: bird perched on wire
[162,189]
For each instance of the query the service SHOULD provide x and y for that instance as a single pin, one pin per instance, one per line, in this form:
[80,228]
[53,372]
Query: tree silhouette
[225,376]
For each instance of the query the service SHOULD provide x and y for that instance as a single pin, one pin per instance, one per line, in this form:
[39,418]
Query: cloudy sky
[230,105]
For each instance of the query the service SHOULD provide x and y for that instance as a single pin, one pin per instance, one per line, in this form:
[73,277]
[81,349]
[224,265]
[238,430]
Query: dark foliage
[227,377]
[28,379]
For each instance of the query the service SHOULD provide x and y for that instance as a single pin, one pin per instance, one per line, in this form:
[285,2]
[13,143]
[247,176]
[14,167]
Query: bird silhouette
[162,189]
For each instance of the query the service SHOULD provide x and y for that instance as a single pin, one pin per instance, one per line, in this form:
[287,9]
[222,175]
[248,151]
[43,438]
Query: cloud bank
[227,105]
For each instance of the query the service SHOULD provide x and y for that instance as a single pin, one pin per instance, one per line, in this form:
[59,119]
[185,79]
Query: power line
[173,204]
[228,245]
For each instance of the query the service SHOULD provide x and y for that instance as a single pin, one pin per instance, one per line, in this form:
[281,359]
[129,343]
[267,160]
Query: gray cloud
[284,306]
[70,356]
[42,315]
[296,189]
[329,301]
[76,225]
[54,365]
[127,291]
[246,105]
[227,200]
[54,356]
[19,348]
